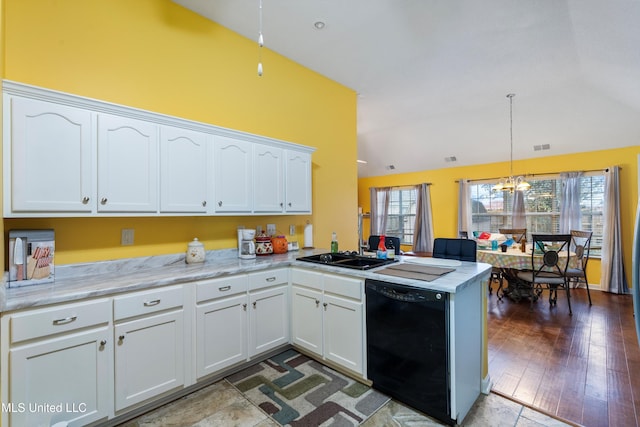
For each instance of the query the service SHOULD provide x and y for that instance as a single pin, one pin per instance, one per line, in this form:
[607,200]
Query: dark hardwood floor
[583,368]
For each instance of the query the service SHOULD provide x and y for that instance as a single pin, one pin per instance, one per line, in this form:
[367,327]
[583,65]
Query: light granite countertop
[81,281]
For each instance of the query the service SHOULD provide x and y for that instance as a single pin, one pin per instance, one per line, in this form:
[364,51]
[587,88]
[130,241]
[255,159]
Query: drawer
[264,279]
[345,286]
[310,279]
[55,320]
[223,287]
[141,303]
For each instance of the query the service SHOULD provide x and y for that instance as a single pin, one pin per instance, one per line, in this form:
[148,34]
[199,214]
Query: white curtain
[518,215]
[570,215]
[423,230]
[379,208]
[464,208]
[612,277]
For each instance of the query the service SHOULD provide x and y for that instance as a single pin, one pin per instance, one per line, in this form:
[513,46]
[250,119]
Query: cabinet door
[268,188]
[233,160]
[306,321]
[298,182]
[127,165]
[269,319]
[221,334]
[343,332]
[51,158]
[71,372]
[183,170]
[149,357]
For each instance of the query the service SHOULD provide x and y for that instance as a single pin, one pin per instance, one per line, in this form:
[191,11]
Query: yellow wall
[444,189]
[156,55]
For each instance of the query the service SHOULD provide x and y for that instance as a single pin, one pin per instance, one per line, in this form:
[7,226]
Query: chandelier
[511,183]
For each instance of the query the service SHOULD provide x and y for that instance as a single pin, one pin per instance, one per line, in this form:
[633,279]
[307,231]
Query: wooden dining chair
[581,245]
[517,234]
[549,261]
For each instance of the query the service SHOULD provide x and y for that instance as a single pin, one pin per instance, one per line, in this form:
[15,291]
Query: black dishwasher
[408,346]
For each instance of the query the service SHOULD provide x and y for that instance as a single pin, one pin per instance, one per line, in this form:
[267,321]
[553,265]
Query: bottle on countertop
[334,243]
[382,249]
[391,250]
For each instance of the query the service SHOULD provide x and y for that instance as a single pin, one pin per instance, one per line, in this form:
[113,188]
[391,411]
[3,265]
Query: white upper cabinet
[183,170]
[268,188]
[48,157]
[70,156]
[127,165]
[298,182]
[233,172]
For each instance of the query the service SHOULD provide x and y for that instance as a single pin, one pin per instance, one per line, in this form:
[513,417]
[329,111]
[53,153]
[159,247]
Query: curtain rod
[537,174]
[404,186]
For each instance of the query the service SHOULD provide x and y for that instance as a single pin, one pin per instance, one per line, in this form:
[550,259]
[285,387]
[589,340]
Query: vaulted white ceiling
[432,75]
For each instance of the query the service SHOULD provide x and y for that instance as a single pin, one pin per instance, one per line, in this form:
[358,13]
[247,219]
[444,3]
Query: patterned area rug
[298,391]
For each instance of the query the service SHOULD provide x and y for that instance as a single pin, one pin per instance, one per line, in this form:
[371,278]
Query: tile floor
[221,404]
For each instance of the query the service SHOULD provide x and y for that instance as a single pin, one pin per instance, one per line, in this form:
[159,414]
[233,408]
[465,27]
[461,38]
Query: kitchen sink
[347,260]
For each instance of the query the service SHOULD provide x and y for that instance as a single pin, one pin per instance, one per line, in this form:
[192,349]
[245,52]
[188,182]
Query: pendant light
[260,39]
[511,183]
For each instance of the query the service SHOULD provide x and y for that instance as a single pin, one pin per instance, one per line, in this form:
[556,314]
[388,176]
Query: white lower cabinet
[149,348]
[59,363]
[328,317]
[221,324]
[269,310]
[306,317]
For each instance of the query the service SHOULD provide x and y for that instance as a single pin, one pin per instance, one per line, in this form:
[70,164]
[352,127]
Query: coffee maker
[246,245]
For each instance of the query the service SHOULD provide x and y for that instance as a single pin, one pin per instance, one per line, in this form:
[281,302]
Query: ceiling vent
[450,159]
[390,167]
[541,147]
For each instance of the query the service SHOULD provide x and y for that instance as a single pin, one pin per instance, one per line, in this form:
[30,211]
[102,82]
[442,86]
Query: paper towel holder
[308,236]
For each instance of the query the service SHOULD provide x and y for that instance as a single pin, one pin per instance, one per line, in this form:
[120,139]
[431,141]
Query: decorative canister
[195,252]
[280,244]
[263,245]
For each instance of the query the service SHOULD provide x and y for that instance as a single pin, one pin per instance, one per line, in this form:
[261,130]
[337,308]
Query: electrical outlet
[127,237]
[271,229]
[292,230]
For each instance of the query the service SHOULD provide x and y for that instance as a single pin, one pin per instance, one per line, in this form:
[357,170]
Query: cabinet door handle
[121,338]
[244,306]
[325,305]
[224,288]
[103,201]
[317,303]
[270,279]
[220,203]
[289,204]
[65,320]
[85,200]
[281,204]
[103,343]
[204,203]
[151,303]
[254,304]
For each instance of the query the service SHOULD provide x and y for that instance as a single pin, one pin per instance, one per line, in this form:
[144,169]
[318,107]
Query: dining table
[513,260]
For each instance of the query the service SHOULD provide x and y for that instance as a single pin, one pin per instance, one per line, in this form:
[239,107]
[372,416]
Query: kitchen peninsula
[101,324]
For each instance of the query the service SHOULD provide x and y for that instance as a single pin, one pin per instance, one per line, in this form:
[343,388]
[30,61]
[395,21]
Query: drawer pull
[224,288]
[270,279]
[65,320]
[151,303]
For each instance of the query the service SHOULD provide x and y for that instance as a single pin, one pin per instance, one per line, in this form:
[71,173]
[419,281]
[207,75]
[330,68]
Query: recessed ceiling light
[390,167]
[319,25]
[361,161]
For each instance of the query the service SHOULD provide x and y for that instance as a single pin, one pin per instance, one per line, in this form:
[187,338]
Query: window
[492,210]
[401,214]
